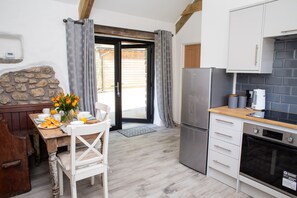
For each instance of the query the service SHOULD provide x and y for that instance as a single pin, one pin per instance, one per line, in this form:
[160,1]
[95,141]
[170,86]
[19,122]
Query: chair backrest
[88,135]
[102,111]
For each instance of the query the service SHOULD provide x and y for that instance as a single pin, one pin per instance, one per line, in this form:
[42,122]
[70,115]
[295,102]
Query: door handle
[222,134]
[224,121]
[227,166]
[222,148]
[118,89]
[256,55]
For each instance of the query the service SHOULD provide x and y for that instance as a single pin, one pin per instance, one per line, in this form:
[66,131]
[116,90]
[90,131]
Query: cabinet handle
[222,148]
[222,134]
[227,166]
[286,31]
[219,120]
[256,55]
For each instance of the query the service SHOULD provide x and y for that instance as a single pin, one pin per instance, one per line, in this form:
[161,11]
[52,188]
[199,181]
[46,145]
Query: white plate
[76,122]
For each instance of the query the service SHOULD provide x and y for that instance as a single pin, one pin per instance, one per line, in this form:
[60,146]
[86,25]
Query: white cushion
[64,158]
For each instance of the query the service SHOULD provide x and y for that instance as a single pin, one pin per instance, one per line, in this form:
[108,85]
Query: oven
[269,156]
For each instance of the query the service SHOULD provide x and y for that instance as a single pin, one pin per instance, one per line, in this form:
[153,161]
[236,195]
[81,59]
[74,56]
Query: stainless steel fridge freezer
[202,89]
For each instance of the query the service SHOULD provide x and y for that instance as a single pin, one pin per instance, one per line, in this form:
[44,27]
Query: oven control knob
[290,139]
[256,131]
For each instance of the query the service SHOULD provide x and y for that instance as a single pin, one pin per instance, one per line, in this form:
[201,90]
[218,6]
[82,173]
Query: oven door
[271,163]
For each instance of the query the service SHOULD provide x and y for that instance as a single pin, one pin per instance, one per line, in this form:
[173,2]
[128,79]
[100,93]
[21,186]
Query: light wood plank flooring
[144,166]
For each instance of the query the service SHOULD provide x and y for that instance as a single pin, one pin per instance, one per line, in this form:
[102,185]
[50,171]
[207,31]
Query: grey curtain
[81,62]
[163,70]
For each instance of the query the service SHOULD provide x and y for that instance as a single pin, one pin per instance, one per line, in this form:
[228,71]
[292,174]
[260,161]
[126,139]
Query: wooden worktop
[242,113]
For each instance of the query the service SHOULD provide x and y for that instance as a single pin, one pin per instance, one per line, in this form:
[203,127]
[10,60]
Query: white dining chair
[78,164]
[102,111]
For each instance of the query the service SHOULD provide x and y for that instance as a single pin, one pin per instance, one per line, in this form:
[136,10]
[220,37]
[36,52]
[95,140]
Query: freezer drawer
[193,148]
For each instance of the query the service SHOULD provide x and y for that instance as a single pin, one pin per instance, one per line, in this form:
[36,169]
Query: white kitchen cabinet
[224,148]
[248,51]
[280,18]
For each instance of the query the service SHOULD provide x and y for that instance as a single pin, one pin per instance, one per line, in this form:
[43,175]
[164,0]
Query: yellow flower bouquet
[65,103]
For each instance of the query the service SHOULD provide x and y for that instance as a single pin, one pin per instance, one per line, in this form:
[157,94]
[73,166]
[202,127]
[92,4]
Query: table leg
[52,160]
[36,146]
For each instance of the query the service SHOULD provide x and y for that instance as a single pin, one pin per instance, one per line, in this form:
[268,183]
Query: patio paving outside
[133,102]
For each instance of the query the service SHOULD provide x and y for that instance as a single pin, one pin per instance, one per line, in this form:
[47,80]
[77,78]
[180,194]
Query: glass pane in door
[134,83]
[105,65]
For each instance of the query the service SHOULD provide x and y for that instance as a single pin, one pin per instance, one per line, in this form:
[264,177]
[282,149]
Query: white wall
[189,34]
[43,31]
[215,29]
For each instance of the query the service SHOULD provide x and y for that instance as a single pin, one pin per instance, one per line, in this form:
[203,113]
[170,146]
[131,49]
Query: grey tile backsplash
[281,85]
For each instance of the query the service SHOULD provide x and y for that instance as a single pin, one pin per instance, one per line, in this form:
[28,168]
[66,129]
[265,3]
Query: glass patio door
[125,79]
[108,79]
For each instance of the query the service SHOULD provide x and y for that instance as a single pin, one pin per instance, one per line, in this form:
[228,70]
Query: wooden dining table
[53,138]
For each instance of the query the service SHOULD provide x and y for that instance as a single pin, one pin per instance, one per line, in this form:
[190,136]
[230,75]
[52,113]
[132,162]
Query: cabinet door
[280,18]
[245,39]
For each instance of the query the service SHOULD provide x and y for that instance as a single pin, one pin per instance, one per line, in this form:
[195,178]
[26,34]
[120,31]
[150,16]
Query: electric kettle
[258,99]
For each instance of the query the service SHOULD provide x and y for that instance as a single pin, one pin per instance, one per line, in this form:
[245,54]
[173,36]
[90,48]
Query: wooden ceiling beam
[191,8]
[187,13]
[122,32]
[84,8]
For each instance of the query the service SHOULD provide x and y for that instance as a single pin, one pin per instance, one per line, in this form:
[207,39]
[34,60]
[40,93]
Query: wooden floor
[141,166]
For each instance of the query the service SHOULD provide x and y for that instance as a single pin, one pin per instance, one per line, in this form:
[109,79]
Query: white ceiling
[162,10]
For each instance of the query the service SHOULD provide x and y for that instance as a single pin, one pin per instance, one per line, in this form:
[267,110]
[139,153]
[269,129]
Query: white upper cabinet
[246,44]
[280,18]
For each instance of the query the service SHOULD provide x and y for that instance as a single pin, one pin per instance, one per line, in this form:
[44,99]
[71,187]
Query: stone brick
[20,96]
[291,63]
[291,45]
[257,79]
[284,55]
[4,99]
[1,90]
[41,83]
[273,81]
[293,109]
[294,91]
[4,78]
[5,84]
[282,72]
[290,81]
[29,75]
[32,81]
[278,63]
[47,70]
[273,97]
[37,92]
[53,86]
[34,70]
[289,99]
[282,90]
[21,79]
[279,107]
[45,99]
[43,75]
[10,89]
[51,92]
[53,81]
[32,86]
[21,87]
[242,78]
[279,45]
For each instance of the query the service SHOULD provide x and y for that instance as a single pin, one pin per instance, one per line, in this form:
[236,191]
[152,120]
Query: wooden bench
[20,124]
[14,168]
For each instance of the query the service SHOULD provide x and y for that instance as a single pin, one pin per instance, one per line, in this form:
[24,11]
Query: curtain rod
[81,22]
[76,22]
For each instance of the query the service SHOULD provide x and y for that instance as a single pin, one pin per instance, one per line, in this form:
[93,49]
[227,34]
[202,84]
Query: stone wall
[29,86]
